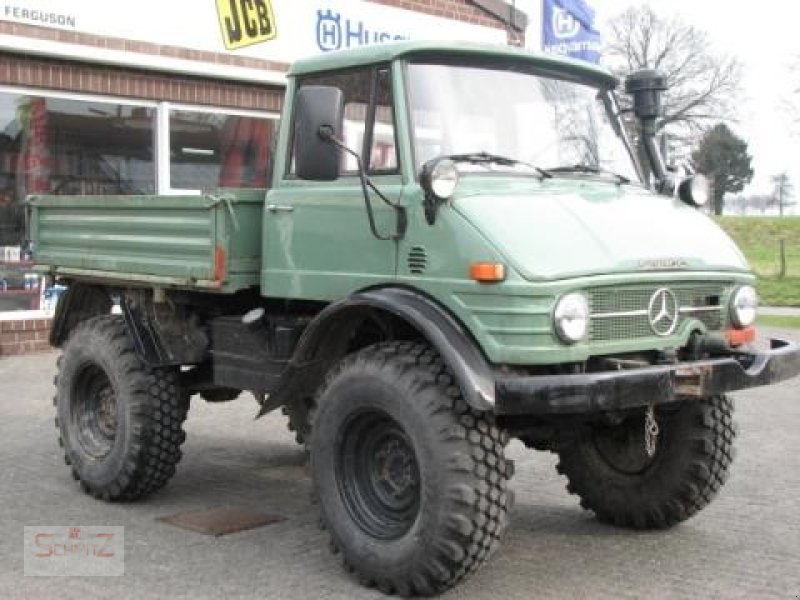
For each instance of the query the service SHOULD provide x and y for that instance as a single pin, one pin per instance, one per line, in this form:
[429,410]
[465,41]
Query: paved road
[782,311]
[745,545]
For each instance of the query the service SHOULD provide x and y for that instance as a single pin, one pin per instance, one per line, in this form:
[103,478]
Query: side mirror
[317,108]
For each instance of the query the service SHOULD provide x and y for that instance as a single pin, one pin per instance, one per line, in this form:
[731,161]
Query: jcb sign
[245,22]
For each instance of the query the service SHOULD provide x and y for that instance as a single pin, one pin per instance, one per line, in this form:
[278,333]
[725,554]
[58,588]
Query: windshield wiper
[477,158]
[581,168]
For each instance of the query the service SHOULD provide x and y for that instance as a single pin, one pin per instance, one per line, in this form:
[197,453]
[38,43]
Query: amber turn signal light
[739,337]
[485,272]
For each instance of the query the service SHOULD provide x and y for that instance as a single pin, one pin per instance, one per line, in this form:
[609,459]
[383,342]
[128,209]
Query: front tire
[608,468]
[119,421]
[411,481]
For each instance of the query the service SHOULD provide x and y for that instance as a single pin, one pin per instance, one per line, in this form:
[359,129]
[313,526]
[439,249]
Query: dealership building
[154,97]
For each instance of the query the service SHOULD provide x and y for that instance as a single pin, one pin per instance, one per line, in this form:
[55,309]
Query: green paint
[169,238]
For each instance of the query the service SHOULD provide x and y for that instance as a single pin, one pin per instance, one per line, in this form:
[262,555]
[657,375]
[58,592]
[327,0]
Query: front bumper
[619,390]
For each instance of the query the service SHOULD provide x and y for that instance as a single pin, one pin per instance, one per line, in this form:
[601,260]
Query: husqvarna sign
[564,25]
[337,30]
[568,28]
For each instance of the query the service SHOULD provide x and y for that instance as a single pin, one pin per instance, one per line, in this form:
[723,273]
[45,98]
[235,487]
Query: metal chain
[650,431]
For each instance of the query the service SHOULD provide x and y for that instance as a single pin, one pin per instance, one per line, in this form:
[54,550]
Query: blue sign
[568,29]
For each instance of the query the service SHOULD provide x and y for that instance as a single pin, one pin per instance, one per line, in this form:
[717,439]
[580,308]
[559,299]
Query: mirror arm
[326,133]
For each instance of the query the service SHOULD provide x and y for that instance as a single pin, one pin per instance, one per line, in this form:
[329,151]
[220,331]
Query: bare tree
[791,103]
[783,191]
[703,86]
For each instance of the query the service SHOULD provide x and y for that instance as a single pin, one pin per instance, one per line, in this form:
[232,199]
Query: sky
[765,38]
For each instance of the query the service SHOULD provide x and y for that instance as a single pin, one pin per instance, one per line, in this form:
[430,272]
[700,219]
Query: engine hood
[559,229]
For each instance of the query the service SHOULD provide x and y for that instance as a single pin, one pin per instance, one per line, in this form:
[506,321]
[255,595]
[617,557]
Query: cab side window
[369,127]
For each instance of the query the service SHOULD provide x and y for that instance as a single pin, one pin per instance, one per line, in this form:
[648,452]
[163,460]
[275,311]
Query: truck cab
[545,188]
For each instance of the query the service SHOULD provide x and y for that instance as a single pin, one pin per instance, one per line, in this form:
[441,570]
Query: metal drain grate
[221,521]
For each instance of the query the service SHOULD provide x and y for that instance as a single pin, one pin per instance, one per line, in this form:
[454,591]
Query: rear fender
[78,303]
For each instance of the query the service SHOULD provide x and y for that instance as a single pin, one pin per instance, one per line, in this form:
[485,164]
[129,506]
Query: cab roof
[446,50]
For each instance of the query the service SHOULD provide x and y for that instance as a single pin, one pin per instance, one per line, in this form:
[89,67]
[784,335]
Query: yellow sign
[246,22]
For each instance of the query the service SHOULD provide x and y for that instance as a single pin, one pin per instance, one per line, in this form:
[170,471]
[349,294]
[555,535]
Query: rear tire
[607,466]
[119,421]
[411,481]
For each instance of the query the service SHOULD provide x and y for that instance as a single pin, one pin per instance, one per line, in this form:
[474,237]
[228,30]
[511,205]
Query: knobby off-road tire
[411,482]
[608,468]
[120,422]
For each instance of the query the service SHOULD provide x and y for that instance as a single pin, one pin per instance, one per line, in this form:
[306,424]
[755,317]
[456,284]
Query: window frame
[161,134]
[369,121]
[164,185]
[81,97]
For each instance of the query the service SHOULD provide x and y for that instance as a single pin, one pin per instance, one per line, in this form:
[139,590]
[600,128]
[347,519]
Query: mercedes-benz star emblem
[663,311]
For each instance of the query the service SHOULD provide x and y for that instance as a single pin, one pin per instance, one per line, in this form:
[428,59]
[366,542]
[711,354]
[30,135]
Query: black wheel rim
[378,475]
[622,446]
[93,406]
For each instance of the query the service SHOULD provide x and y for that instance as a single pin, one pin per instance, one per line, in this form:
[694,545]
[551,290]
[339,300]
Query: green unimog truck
[457,247]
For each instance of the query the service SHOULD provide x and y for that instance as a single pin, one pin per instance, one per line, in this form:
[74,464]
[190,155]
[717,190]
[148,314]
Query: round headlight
[444,179]
[695,190]
[571,318]
[744,307]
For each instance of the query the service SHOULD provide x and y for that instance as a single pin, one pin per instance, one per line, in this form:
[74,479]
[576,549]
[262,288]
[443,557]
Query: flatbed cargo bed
[209,241]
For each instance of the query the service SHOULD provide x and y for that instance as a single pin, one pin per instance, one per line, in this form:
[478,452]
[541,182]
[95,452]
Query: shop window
[55,145]
[68,146]
[210,150]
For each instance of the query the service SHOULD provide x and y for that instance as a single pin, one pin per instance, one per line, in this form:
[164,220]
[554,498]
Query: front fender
[325,340]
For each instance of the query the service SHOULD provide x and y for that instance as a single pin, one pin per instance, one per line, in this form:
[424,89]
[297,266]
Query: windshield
[549,123]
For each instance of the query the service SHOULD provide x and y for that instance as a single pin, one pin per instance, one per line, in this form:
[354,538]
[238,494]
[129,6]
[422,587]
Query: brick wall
[98,41]
[459,10]
[24,336]
[94,79]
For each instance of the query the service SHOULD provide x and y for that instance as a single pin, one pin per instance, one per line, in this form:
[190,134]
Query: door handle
[279,208]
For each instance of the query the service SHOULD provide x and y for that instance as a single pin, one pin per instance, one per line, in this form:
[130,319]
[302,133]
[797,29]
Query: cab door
[317,240]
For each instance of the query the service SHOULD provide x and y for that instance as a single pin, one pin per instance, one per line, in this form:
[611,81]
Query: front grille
[614,302]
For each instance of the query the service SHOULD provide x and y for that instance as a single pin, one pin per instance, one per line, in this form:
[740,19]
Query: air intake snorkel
[646,86]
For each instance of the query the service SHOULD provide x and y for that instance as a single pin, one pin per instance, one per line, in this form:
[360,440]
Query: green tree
[723,157]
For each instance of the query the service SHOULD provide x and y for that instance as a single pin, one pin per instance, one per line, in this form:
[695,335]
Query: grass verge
[779,321]
[759,238]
